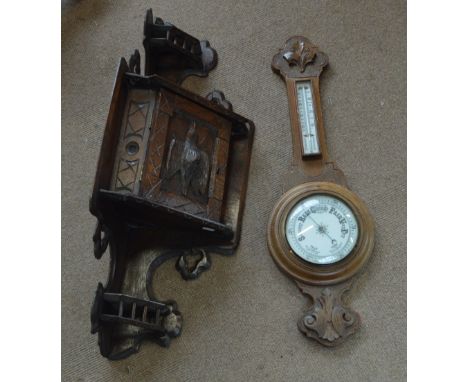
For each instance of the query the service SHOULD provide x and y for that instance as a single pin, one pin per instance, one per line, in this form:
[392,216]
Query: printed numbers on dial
[321,229]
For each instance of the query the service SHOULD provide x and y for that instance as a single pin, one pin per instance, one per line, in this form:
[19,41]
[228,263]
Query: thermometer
[307,118]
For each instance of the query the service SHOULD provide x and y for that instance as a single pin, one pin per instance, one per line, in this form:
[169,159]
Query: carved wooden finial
[300,54]
[134,62]
[299,58]
[218,98]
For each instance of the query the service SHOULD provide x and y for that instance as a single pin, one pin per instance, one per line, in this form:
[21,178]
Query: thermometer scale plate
[307,118]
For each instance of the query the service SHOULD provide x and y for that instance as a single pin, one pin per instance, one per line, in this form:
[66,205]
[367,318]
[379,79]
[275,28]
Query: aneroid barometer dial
[320,233]
[321,229]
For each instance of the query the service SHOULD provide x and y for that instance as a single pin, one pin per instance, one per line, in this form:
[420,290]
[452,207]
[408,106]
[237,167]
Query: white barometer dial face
[321,229]
[307,118]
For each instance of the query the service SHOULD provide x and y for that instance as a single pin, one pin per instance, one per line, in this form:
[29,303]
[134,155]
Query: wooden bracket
[174,54]
[171,178]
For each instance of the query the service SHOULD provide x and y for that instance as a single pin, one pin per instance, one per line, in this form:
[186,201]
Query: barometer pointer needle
[332,240]
[305,230]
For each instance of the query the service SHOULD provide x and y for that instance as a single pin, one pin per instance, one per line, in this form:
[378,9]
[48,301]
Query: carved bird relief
[190,162]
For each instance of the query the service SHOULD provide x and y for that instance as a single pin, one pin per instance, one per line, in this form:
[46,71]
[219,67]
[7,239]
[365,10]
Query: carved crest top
[299,58]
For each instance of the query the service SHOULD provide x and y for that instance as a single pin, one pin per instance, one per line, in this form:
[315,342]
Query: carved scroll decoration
[328,321]
[218,98]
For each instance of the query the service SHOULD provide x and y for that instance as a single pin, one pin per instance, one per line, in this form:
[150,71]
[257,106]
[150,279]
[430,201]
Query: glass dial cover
[321,229]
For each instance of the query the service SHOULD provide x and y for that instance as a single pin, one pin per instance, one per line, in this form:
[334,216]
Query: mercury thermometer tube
[307,118]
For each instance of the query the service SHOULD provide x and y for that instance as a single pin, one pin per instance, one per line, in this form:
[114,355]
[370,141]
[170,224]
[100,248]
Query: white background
[437,190]
[30,190]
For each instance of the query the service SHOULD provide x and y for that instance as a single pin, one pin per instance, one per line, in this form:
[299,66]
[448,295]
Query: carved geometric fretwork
[130,153]
[152,178]
[165,103]
[136,122]
[328,321]
[126,175]
[184,55]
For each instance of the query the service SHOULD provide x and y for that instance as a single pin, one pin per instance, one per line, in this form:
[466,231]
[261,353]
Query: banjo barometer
[320,233]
